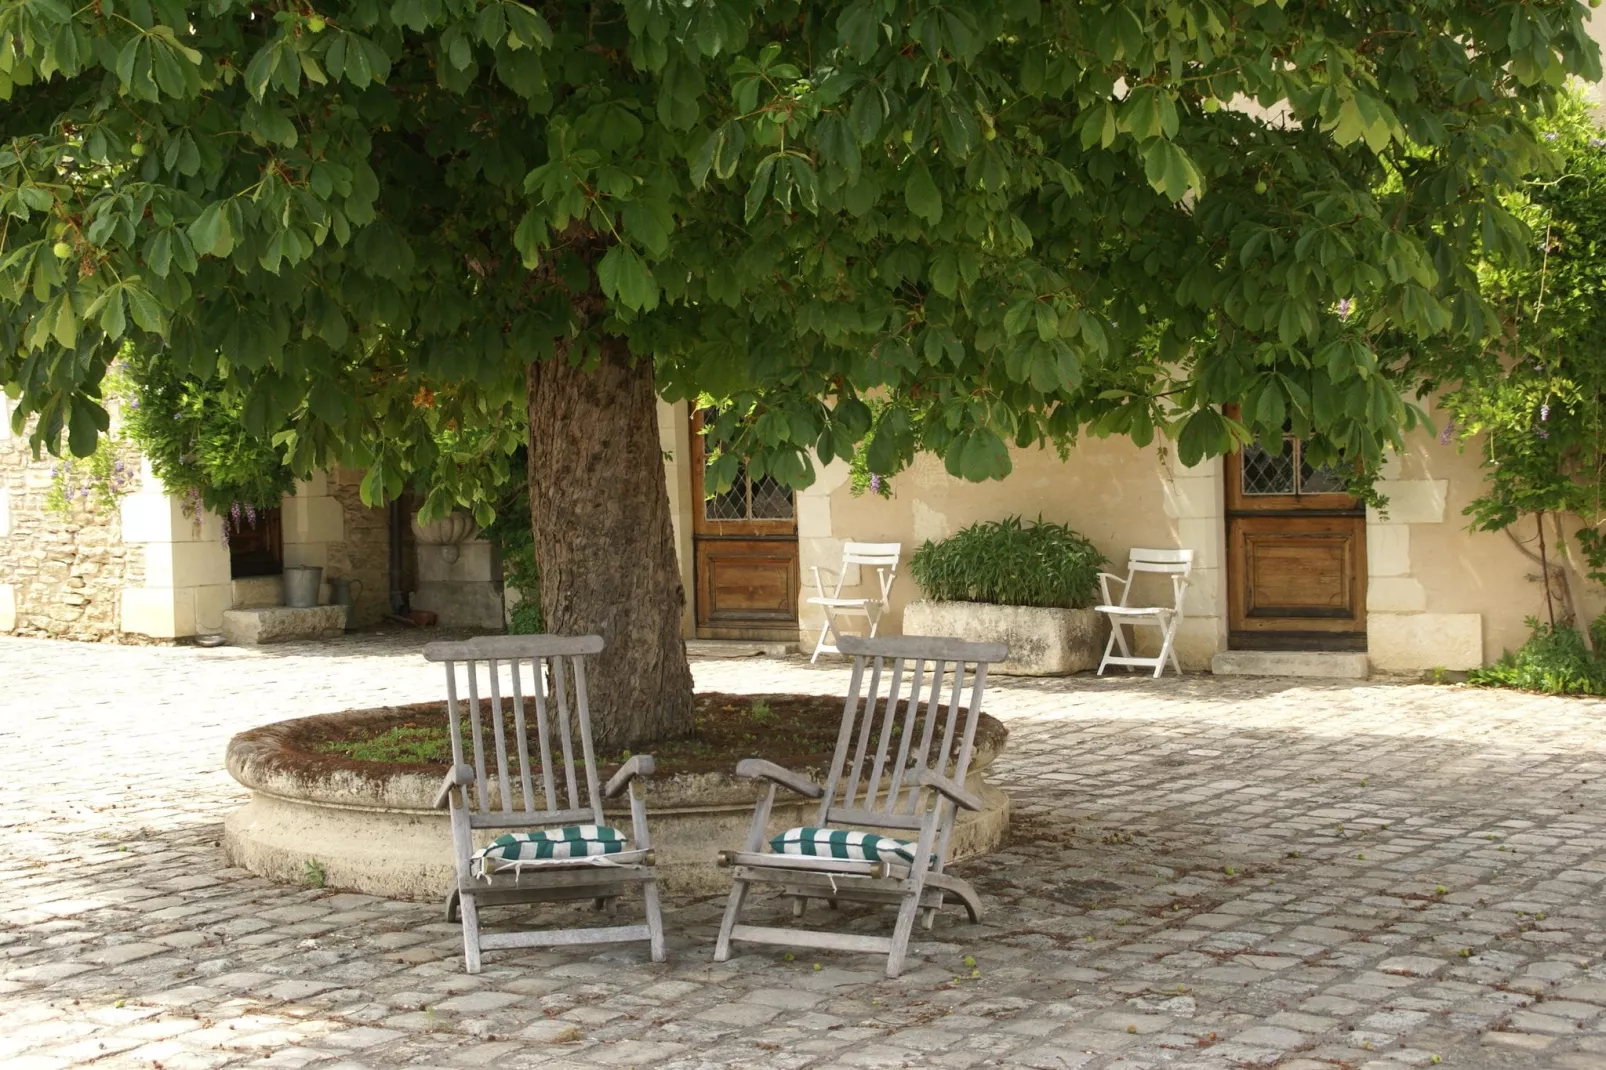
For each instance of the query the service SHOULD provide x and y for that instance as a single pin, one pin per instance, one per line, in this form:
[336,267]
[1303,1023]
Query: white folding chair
[1175,563]
[883,557]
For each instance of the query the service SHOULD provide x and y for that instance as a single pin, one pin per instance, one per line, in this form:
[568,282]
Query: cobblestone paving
[1204,873]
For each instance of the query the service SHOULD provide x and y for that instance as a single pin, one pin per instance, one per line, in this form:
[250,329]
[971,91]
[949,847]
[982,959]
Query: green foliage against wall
[197,440]
[1017,219]
[510,532]
[1533,401]
[1010,563]
[1553,660]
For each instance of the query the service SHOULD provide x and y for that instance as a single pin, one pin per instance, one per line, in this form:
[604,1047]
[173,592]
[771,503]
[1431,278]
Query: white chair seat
[1134,611]
[841,603]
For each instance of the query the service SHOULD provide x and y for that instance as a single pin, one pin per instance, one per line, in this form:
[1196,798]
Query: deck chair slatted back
[493,686]
[519,714]
[908,709]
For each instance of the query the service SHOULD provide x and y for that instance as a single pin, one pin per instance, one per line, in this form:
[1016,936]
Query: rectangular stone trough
[278,624]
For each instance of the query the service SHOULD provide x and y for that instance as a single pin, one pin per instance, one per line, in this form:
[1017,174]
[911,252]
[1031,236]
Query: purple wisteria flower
[1447,433]
[1552,136]
[1544,412]
[1597,142]
[1344,307]
[1542,432]
[875,483]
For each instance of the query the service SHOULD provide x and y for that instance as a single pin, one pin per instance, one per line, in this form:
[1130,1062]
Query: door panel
[745,560]
[1297,569]
[1296,554]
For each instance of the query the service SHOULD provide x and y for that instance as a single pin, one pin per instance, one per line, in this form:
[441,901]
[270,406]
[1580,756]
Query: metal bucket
[301,583]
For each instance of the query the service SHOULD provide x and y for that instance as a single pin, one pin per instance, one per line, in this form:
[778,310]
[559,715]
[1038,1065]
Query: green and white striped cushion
[571,841]
[841,843]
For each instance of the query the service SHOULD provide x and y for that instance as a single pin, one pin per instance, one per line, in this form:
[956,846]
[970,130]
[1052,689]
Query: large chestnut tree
[374,221]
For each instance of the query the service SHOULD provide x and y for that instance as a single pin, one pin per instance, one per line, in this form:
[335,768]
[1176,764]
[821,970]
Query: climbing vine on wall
[1537,415]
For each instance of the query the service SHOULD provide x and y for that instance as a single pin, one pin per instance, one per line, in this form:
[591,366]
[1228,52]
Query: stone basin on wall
[371,826]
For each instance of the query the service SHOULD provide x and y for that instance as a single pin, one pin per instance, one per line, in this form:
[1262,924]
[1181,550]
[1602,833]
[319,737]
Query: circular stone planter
[370,826]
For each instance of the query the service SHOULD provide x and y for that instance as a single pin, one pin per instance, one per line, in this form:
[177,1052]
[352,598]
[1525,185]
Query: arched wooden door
[1296,554]
[744,555]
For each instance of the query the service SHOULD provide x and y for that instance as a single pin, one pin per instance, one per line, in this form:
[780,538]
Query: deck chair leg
[733,910]
[655,920]
[900,935]
[799,905]
[471,933]
[451,907]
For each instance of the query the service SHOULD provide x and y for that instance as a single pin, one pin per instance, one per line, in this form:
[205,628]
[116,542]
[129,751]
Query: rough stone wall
[66,572]
[364,553]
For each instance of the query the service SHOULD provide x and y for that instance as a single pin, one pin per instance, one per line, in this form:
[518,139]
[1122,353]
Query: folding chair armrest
[639,765]
[758,768]
[819,579]
[930,778]
[1104,585]
[460,776]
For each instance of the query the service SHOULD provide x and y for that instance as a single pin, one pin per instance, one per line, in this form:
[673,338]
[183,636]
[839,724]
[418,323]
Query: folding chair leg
[655,920]
[1108,647]
[800,903]
[733,910]
[1166,637]
[819,645]
[471,932]
[900,935]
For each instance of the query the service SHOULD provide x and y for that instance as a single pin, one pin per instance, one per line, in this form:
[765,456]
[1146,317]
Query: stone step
[738,648]
[279,624]
[257,591]
[1312,664]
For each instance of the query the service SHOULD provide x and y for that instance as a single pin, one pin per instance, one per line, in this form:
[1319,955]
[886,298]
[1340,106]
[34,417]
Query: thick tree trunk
[603,541]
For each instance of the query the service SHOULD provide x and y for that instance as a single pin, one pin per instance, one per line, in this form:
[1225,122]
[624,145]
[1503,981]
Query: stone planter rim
[269,759]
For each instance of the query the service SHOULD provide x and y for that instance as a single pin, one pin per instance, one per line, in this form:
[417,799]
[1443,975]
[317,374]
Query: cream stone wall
[674,438]
[185,588]
[1438,596]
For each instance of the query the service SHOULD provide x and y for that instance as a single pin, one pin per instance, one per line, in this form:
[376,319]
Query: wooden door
[744,550]
[1296,545]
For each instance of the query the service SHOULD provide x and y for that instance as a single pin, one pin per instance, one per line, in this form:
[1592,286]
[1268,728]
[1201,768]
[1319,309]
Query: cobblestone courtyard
[1204,873]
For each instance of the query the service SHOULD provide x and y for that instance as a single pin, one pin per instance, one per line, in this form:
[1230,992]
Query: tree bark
[599,511]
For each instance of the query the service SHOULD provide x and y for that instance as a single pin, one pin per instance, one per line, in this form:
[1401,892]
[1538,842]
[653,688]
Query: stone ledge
[255,592]
[278,624]
[1310,664]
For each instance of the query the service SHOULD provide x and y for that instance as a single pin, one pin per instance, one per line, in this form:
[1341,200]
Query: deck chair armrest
[638,765]
[928,778]
[758,768]
[460,776]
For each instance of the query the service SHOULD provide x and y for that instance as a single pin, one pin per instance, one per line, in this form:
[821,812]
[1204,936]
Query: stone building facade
[63,569]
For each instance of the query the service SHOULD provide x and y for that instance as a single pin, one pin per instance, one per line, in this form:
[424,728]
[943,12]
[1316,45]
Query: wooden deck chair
[898,767]
[554,843]
[883,557]
[1174,563]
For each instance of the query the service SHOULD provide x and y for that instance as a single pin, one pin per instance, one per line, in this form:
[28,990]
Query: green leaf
[920,194]
[210,231]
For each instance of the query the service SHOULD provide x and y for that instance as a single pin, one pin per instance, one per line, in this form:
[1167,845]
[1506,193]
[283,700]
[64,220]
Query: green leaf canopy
[1011,220]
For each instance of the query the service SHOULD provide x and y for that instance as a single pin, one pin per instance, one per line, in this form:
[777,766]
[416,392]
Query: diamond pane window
[732,505]
[1267,473]
[1319,480]
[771,501]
